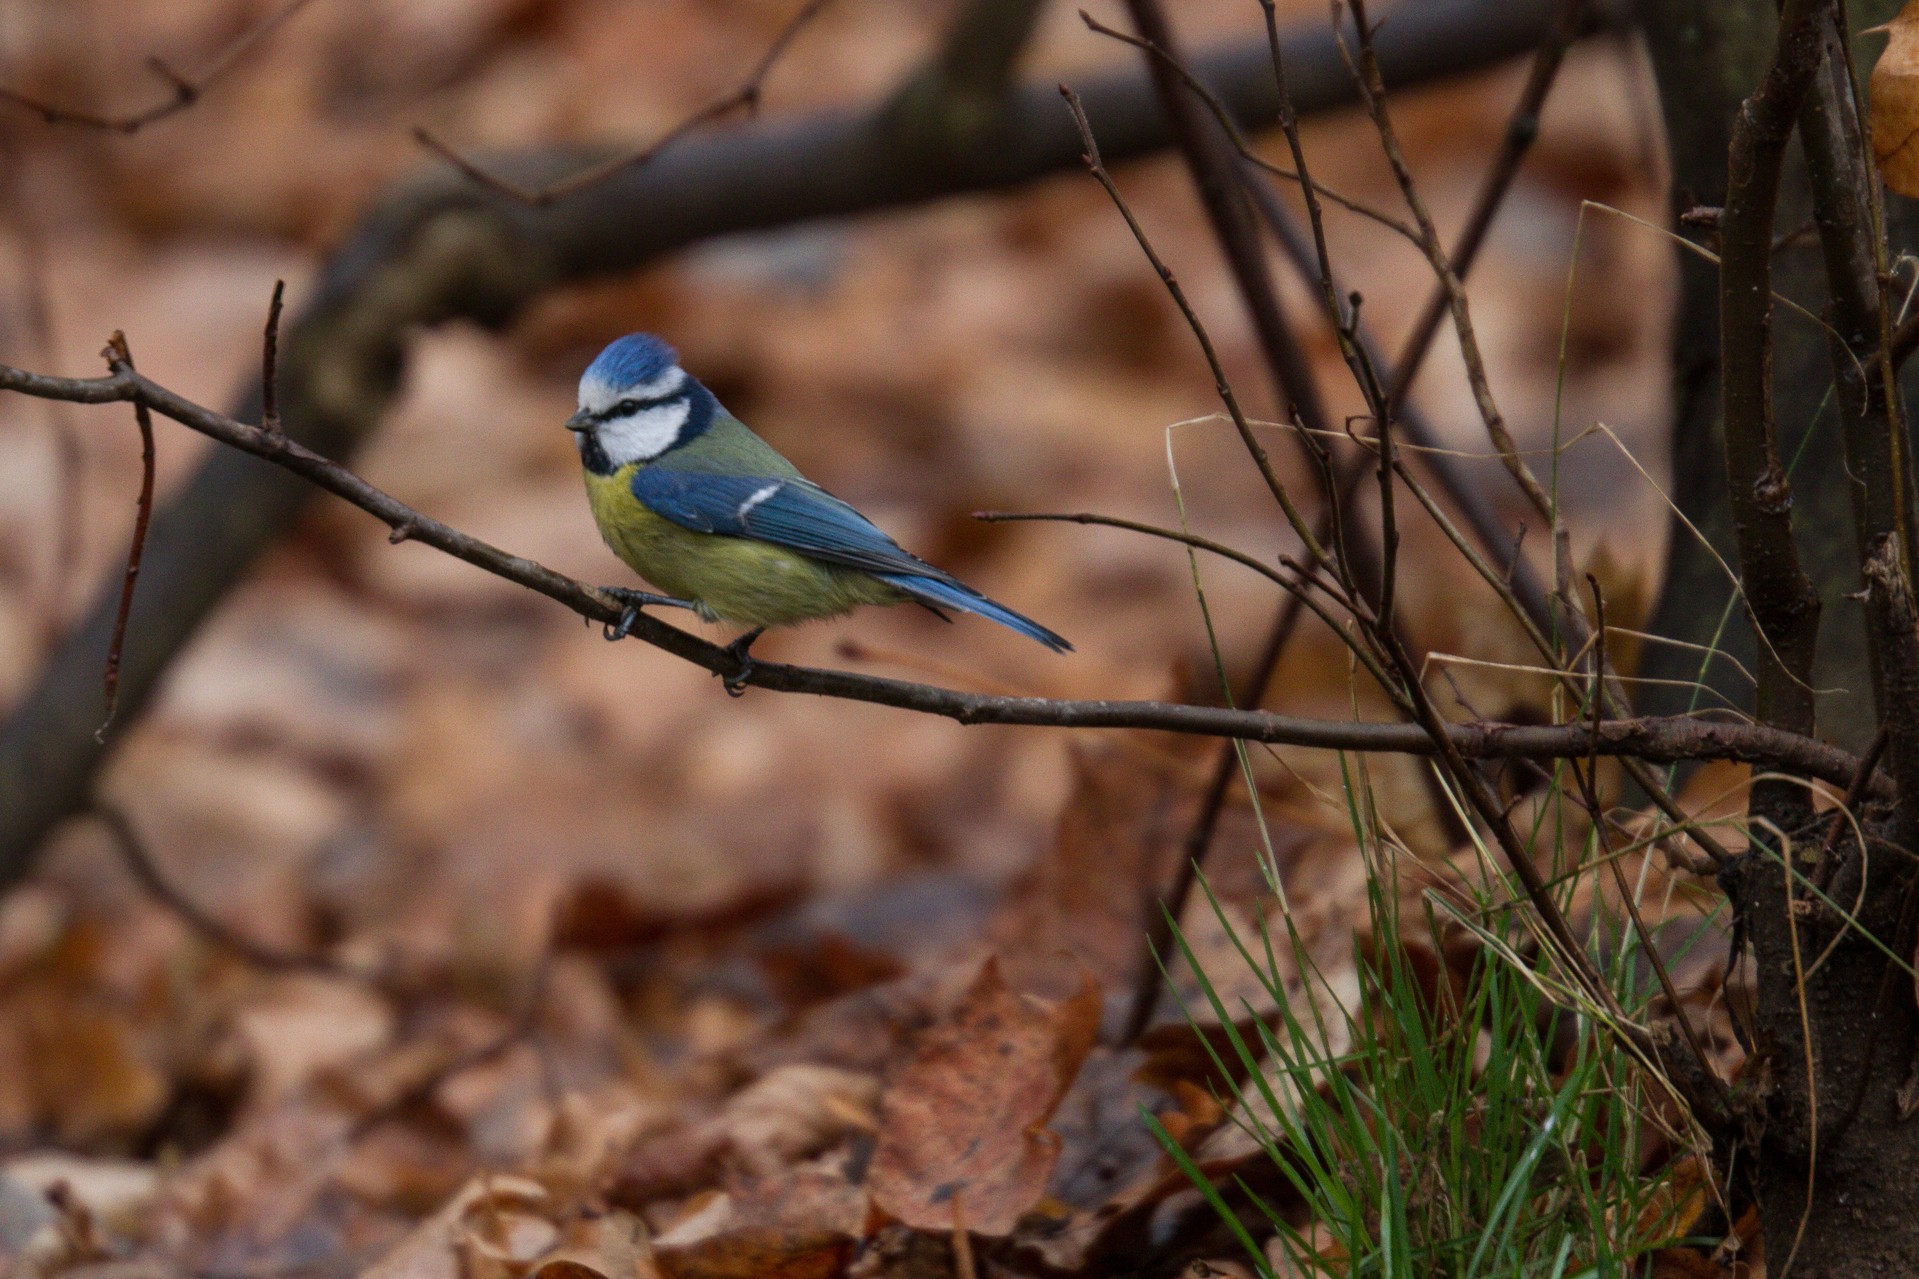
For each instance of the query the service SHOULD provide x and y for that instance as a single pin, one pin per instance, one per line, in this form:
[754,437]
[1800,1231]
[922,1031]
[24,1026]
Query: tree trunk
[1824,1147]
[1707,55]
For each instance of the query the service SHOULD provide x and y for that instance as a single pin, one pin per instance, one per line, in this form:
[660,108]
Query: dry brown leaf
[490,1220]
[1895,103]
[758,1254]
[794,1111]
[964,1119]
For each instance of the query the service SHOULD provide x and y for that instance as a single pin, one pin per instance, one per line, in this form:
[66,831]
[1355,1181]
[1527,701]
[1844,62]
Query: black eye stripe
[626,408]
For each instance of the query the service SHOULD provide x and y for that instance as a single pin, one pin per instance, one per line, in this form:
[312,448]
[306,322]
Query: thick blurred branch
[745,98]
[441,248]
[1658,740]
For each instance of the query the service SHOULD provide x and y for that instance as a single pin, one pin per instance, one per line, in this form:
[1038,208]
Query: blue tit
[711,514]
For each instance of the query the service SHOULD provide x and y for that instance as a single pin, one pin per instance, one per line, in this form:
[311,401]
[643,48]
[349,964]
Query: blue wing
[796,514]
[804,517]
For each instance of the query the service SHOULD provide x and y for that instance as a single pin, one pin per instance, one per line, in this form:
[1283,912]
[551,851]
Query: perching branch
[1660,740]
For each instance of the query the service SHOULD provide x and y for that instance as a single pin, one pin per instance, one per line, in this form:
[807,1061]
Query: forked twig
[1254,449]
[183,91]
[746,98]
[1312,190]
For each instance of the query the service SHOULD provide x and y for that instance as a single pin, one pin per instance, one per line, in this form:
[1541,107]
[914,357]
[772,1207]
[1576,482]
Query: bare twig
[1657,739]
[1314,191]
[1293,588]
[1522,127]
[1373,95]
[1216,179]
[270,361]
[133,851]
[1254,448]
[745,98]
[183,90]
[119,357]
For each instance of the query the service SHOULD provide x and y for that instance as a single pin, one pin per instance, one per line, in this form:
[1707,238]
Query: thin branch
[270,361]
[745,98]
[139,862]
[1216,180]
[1373,94]
[1312,190]
[1657,739]
[1211,547]
[1255,449]
[183,91]
[118,356]
[1522,128]
[1546,63]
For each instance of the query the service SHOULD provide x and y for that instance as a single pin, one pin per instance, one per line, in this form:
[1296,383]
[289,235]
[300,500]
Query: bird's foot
[735,684]
[634,602]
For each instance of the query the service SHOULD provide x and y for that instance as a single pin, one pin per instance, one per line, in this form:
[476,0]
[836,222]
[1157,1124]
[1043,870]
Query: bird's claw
[616,631]
[635,601]
[735,684]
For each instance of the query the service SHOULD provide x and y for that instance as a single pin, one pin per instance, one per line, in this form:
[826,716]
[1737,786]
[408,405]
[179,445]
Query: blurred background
[380,751]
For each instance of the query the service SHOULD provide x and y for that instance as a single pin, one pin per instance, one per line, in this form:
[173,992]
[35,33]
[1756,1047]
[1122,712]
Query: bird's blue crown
[631,360]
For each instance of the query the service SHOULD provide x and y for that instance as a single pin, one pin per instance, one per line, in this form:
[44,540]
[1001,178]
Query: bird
[702,508]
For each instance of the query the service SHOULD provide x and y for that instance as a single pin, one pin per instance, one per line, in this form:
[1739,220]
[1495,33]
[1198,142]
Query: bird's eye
[625,407]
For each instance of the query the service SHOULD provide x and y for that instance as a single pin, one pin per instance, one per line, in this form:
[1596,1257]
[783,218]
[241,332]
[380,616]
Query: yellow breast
[730,578]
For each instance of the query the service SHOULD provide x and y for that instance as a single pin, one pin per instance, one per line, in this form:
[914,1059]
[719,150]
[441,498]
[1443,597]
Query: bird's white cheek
[640,436]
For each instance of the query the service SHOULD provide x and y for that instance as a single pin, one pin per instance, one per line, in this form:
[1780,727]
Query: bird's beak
[579,421]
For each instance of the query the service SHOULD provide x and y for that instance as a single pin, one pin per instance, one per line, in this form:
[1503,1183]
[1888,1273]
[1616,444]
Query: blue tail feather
[947,593]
